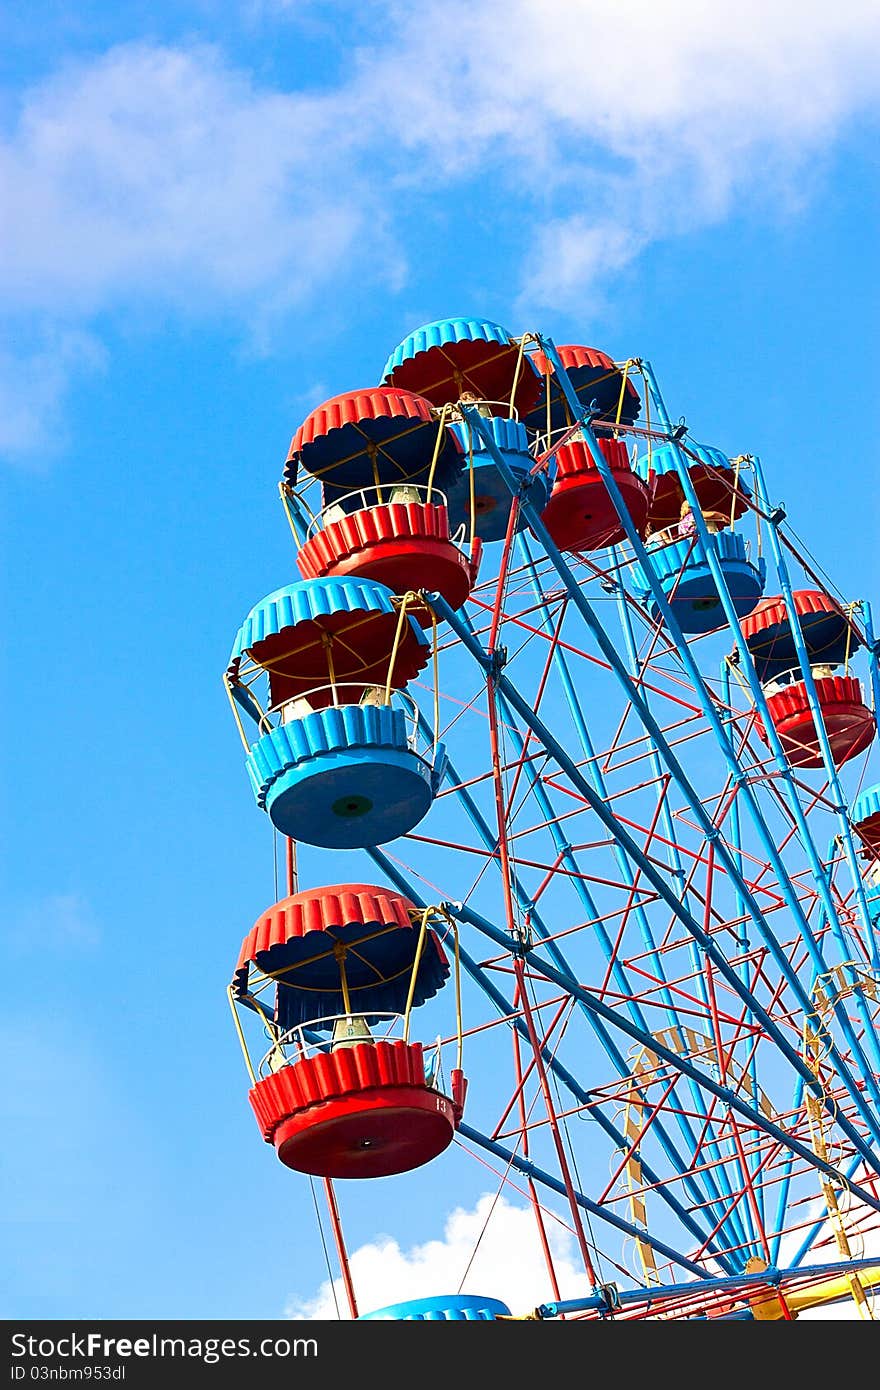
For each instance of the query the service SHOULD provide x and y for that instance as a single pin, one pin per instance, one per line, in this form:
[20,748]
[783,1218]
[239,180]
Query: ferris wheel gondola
[622,840]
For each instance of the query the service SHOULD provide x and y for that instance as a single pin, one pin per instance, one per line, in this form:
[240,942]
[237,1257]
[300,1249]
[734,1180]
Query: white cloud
[572,253]
[165,171]
[33,387]
[508,1265]
[494,1251]
[165,175]
[643,120]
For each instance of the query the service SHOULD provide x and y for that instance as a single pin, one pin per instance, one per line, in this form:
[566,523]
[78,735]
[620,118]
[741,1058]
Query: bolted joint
[496,661]
[610,1295]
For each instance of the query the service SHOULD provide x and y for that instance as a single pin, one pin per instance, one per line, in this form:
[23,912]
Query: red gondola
[849,723]
[405,545]
[345,960]
[580,514]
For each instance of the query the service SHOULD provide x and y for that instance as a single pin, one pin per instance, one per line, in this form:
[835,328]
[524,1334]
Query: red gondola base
[404,545]
[848,721]
[362,1111]
[580,514]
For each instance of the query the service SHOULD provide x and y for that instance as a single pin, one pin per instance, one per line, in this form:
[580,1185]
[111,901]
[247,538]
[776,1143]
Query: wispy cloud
[33,387]
[63,921]
[165,175]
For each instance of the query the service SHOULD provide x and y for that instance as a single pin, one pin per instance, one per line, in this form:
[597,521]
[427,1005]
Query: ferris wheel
[568,682]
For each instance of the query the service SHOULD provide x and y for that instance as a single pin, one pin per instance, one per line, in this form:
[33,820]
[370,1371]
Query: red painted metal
[364,1111]
[772,612]
[715,488]
[486,369]
[573,356]
[404,545]
[849,722]
[580,514]
[362,641]
[314,912]
[357,407]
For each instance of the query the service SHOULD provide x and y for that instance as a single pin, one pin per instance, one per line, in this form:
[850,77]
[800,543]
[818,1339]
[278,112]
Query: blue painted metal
[315,600]
[606,1214]
[719,1199]
[442,332]
[492,496]
[866,804]
[728,1213]
[379,971]
[343,777]
[506,1009]
[518,703]
[685,577]
[873,646]
[661,460]
[456,1307]
[829,765]
[577,596]
[724,743]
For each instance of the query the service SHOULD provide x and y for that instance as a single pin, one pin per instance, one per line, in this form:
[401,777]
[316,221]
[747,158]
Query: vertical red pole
[292,875]
[293,887]
[340,1246]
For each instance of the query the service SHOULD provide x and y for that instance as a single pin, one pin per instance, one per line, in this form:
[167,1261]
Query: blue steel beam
[772,1276]
[717,1183]
[506,1010]
[682,1165]
[840,806]
[444,611]
[531,1170]
[710,831]
[747,665]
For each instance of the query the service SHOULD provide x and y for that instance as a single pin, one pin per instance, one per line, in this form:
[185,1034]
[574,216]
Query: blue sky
[212,218]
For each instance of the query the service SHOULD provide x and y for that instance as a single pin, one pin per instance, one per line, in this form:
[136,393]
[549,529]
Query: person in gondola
[687,524]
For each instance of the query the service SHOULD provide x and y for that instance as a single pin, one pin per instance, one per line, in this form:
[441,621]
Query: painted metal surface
[484,499]
[670,935]
[343,777]
[827,633]
[686,579]
[287,632]
[441,1308]
[296,942]
[378,435]
[580,514]
[406,546]
[360,1112]
[441,360]
[596,382]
